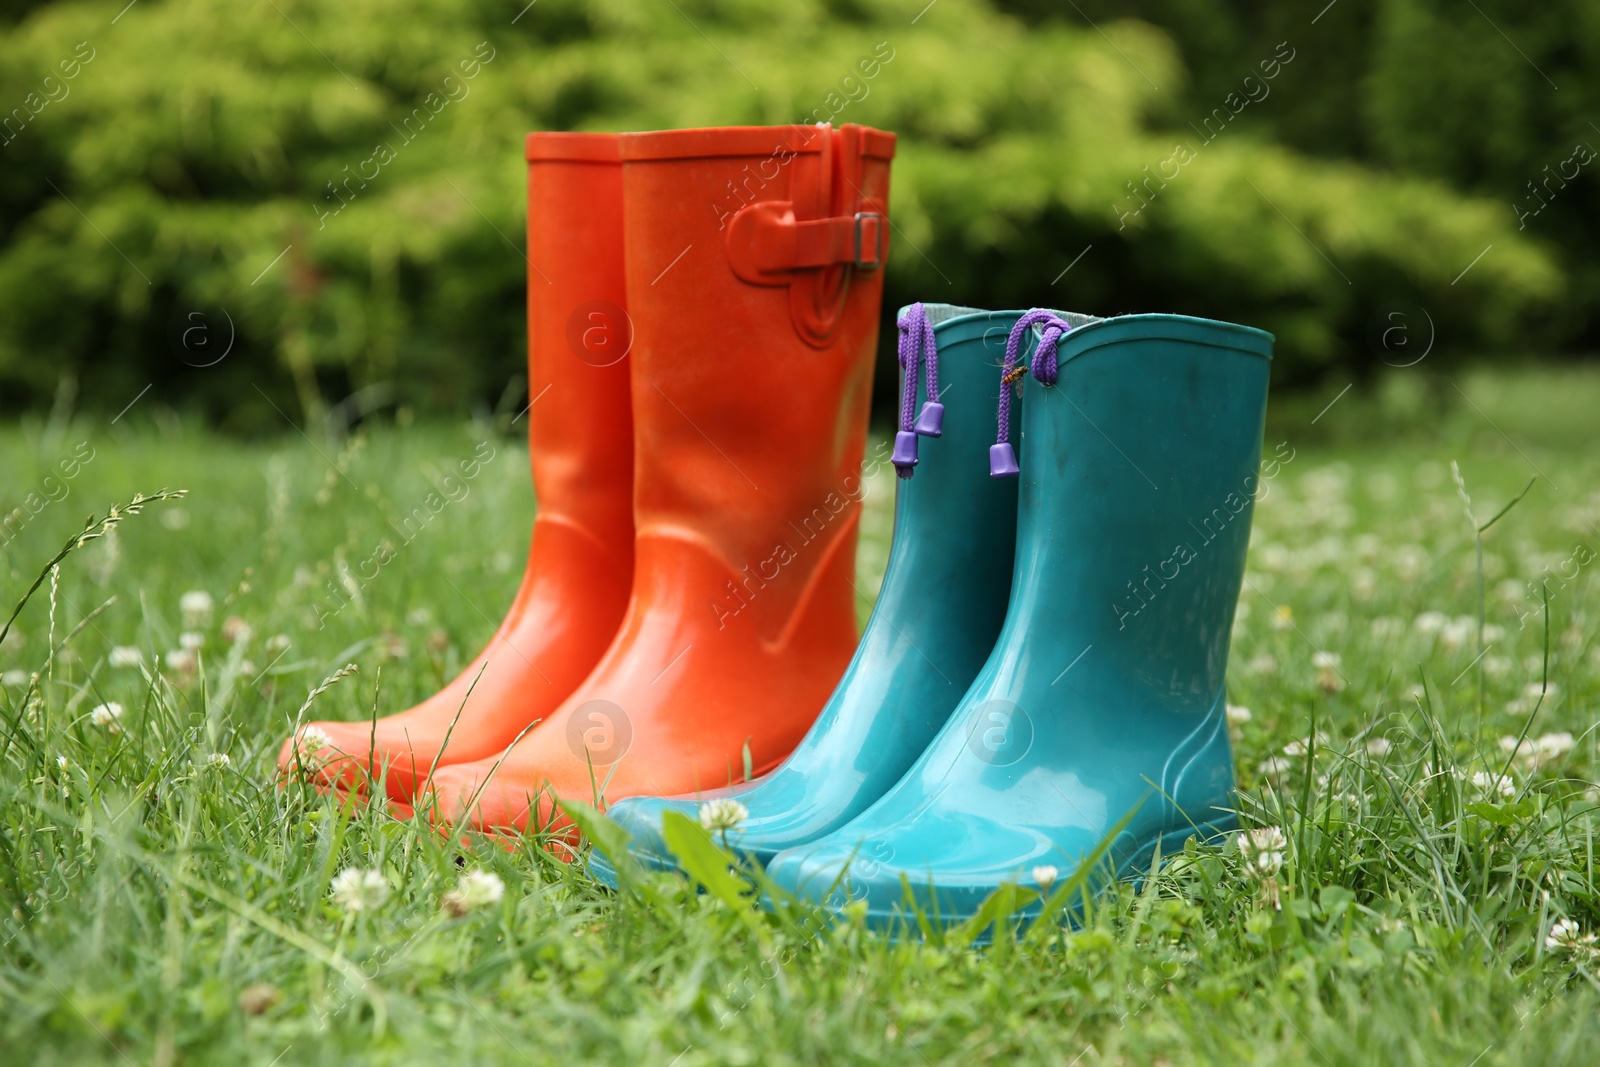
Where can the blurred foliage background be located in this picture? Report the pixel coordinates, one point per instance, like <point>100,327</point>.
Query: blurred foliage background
<point>178,165</point>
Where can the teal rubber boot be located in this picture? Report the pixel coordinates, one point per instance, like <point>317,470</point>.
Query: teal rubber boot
<point>937,615</point>
<point>1101,705</point>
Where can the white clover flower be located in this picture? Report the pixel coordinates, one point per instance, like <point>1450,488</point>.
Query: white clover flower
<point>1379,746</point>
<point>1567,936</point>
<point>724,813</point>
<point>1496,784</point>
<point>125,656</point>
<point>1264,663</point>
<point>278,643</point>
<point>1045,876</point>
<point>1553,746</point>
<point>236,629</point>
<point>219,759</point>
<point>1263,849</point>
<point>1457,632</point>
<point>1385,626</point>
<point>1295,748</point>
<point>1237,714</point>
<point>197,606</point>
<point>1509,589</point>
<point>358,890</point>
<point>1534,752</point>
<point>1363,583</point>
<point>190,641</point>
<point>392,646</point>
<point>1273,768</point>
<point>14,678</point>
<point>1431,622</point>
<point>106,715</point>
<point>309,744</point>
<point>1562,933</point>
<point>183,660</point>
<point>1328,677</point>
<point>476,889</point>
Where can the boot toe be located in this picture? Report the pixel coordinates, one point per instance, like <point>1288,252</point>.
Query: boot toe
<point>468,795</point>
<point>352,756</point>
<point>834,873</point>
<point>642,818</point>
<point>945,869</point>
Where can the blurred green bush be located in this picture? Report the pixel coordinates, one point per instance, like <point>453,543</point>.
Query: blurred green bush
<point>1499,99</point>
<point>337,190</point>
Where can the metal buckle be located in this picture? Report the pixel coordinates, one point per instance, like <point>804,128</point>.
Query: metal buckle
<point>881,251</point>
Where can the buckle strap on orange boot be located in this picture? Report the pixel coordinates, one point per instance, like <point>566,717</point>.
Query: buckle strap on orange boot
<point>815,241</point>
<point>766,243</point>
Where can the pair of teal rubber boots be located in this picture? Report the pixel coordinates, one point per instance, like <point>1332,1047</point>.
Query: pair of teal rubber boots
<point>1041,682</point>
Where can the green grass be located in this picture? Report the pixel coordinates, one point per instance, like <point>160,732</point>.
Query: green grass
<point>160,907</point>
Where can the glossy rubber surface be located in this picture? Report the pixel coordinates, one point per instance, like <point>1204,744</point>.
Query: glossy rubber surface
<point>580,442</point>
<point>937,615</point>
<point>748,448</point>
<point>1104,693</point>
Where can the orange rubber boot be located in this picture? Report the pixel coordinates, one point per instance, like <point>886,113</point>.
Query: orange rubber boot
<point>580,442</point>
<point>754,284</point>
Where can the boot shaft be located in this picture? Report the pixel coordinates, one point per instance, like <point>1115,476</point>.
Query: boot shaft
<point>580,434</point>
<point>753,273</point>
<point>955,529</point>
<point>1138,481</point>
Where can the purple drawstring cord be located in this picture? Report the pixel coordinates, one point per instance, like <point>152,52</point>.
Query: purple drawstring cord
<point>1002,457</point>
<point>930,420</point>
<point>917,344</point>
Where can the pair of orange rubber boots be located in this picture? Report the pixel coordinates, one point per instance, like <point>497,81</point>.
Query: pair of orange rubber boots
<point>703,315</point>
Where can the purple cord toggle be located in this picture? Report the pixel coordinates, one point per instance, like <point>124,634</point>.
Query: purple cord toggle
<point>1045,369</point>
<point>905,452</point>
<point>917,345</point>
<point>1003,461</point>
